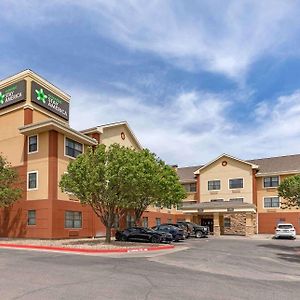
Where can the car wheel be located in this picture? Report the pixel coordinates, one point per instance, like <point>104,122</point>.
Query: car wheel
<point>155,239</point>
<point>123,238</point>
<point>199,234</point>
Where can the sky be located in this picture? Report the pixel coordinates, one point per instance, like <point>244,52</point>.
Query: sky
<point>194,79</point>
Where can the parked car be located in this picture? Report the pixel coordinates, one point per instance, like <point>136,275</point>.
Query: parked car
<point>195,230</point>
<point>186,232</point>
<point>285,230</point>
<point>176,232</point>
<point>141,234</point>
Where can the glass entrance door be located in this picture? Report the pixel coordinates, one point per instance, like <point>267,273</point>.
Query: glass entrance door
<point>209,223</point>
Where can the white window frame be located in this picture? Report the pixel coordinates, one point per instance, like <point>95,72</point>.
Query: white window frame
<point>239,188</point>
<point>37,144</point>
<point>214,189</point>
<point>37,181</point>
<point>65,138</point>
<point>279,200</point>
<point>270,187</point>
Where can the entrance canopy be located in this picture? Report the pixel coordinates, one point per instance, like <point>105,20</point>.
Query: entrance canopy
<point>218,207</point>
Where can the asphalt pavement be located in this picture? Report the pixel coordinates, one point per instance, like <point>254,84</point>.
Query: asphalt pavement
<point>212,268</point>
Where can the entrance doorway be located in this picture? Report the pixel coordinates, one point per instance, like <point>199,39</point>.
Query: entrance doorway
<point>209,223</point>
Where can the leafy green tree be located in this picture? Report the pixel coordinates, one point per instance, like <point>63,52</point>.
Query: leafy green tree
<point>9,192</point>
<point>117,179</point>
<point>289,189</point>
<point>157,184</point>
<point>101,178</point>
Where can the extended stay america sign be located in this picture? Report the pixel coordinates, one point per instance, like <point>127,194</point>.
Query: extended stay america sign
<point>13,94</point>
<point>49,101</point>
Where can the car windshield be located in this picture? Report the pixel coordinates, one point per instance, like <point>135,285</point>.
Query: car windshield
<point>285,226</point>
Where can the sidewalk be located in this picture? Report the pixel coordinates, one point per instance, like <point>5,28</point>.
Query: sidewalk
<point>84,246</point>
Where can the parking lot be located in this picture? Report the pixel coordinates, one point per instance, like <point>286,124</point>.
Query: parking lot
<point>212,268</point>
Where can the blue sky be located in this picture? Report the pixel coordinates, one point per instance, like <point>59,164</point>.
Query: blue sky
<point>194,79</point>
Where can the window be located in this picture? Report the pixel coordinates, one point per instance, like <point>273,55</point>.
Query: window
<point>116,222</point>
<point>272,181</point>
<point>32,144</point>
<point>227,223</point>
<point>271,202</point>
<point>129,221</point>
<point>216,200</point>
<point>73,148</point>
<point>179,206</point>
<point>31,220</point>
<point>145,222</point>
<point>158,222</point>
<point>73,219</point>
<point>236,183</point>
<point>214,185</point>
<point>190,187</point>
<point>236,200</point>
<point>169,221</point>
<point>32,180</point>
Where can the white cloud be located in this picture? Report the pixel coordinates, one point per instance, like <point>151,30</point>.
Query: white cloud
<point>195,127</point>
<point>224,37</point>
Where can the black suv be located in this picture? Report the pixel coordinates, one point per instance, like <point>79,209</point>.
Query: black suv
<point>176,231</point>
<point>195,229</point>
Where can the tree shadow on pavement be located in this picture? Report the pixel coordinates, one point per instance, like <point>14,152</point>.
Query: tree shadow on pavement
<point>288,253</point>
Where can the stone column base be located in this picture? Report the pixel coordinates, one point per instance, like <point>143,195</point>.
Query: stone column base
<point>217,231</point>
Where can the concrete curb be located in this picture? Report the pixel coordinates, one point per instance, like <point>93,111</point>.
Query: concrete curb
<point>85,250</point>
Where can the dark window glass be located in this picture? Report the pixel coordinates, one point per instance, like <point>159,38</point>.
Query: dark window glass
<point>32,180</point>
<point>272,181</point>
<point>216,200</point>
<point>73,148</point>
<point>145,222</point>
<point>214,185</point>
<point>73,219</point>
<point>129,221</point>
<point>158,222</point>
<point>227,223</point>
<point>31,217</point>
<point>271,202</point>
<point>32,143</point>
<point>190,187</point>
<point>236,200</point>
<point>116,222</point>
<point>236,183</point>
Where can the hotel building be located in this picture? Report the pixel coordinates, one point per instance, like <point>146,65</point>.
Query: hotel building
<point>36,138</point>
<point>233,196</point>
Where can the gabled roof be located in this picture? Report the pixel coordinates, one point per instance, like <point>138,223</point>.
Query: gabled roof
<point>254,166</point>
<point>186,174</point>
<point>100,129</point>
<point>53,124</point>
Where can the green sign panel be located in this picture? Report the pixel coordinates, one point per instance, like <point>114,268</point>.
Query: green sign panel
<point>49,101</point>
<point>13,94</point>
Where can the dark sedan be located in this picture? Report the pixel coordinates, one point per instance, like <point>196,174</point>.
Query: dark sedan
<point>141,234</point>
<point>177,233</point>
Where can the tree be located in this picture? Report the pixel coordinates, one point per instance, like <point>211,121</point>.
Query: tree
<point>114,180</point>
<point>289,189</point>
<point>157,184</point>
<point>9,193</point>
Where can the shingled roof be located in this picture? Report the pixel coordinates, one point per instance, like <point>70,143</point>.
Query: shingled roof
<point>281,164</point>
<point>289,164</point>
<point>186,174</point>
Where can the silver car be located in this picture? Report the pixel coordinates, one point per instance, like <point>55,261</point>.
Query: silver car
<point>285,230</point>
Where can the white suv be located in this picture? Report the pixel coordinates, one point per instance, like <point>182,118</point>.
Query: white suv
<point>285,230</point>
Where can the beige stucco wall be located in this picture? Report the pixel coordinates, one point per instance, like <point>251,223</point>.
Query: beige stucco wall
<point>39,162</point>
<point>11,141</point>
<point>112,135</point>
<point>270,192</point>
<point>233,169</point>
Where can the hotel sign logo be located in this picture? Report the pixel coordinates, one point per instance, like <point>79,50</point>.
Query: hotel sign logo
<point>49,101</point>
<point>13,94</point>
